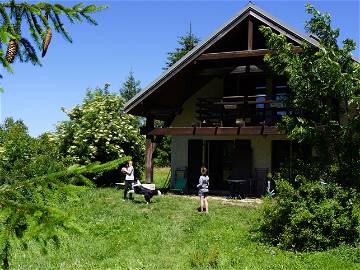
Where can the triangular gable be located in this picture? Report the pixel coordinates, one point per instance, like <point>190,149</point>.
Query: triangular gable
<point>249,10</point>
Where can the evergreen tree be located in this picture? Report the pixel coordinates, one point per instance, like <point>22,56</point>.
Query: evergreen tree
<point>162,153</point>
<point>130,87</point>
<point>29,208</point>
<point>40,18</point>
<point>187,43</point>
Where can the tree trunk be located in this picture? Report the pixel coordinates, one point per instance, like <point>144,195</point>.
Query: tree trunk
<point>149,164</point>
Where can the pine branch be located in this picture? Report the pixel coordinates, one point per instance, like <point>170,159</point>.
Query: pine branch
<point>34,29</point>
<point>14,15</point>
<point>29,52</point>
<point>59,26</point>
<point>30,209</point>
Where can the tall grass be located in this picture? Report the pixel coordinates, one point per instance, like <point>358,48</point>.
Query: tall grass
<point>161,176</point>
<point>168,234</point>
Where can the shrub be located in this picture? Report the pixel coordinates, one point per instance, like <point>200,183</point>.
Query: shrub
<point>98,130</point>
<point>23,157</point>
<point>310,215</point>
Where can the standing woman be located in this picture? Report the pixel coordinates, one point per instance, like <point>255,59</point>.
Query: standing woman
<point>129,178</point>
<point>203,189</point>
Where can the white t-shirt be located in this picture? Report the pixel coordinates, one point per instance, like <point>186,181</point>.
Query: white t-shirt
<point>130,173</point>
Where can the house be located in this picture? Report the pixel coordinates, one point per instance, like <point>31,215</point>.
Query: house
<point>220,104</point>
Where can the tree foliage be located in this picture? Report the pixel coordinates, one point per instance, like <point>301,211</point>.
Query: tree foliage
<point>98,130</point>
<point>324,100</point>
<point>130,87</point>
<point>186,44</point>
<point>31,208</point>
<point>317,206</point>
<point>308,216</point>
<point>39,19</point>
<point>24,157</point>
<point>34,182</point>
<point>162,153</point>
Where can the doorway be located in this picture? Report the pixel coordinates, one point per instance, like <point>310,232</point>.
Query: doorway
<point>224,159</point>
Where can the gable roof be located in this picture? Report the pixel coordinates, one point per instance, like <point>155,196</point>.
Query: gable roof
<point>249,10</point>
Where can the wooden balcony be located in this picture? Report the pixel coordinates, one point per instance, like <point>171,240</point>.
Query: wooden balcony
<point>241,111</point>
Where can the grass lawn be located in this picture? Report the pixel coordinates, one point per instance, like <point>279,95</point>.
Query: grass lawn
<point>168,234</point>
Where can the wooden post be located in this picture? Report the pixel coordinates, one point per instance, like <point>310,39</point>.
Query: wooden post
<point>149,165</point>
<point>150,148</point>
<point>250,34</point>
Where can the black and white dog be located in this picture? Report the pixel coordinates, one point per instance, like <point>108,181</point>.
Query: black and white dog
<point>148,193</point>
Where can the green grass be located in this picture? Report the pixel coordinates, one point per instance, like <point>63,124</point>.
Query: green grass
<point>161,176</point>
<point>169,233</point>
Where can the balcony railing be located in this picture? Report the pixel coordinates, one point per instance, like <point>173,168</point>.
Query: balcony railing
<point>241,110</point>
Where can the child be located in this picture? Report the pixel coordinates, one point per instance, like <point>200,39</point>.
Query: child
<point>129,178</point>
<point>203,189</point>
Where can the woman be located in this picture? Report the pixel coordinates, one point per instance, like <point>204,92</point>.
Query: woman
<point>129,178</point>
<point>203,189</point>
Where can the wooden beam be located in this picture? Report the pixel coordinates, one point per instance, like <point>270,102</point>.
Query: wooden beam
<point>255,130</point>
<point>149,165</point>
<point>150,148</point>
<point>250,34</point>
<point>227,131</point>
<point>272,131</point>
<point>174,131</point>
<point>205,131</point>
<point>240,54</point>
<point>234,54</point>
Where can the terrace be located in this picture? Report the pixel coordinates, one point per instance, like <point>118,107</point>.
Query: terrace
<point>241,111</point>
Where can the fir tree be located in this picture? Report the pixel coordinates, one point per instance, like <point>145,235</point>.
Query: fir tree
<point>29,207</point>
<point>162,154</point>
<point>130,87</point>
<point>40,18</point>
<point>187,43</point>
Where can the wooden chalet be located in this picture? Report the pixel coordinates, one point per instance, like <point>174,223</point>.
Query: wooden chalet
<point>220,104</point>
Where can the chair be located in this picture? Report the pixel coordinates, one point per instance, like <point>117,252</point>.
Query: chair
<point>260,180</point>
<point>180,180</point>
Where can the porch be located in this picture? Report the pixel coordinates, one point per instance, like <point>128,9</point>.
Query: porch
<point>235,166</point>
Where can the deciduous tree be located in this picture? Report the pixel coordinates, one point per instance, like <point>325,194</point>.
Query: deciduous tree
<point>324,101</point>
<point>317,206</point>
<point>98,130</point>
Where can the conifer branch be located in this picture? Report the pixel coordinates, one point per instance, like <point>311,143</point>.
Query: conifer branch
<point>14,16</point>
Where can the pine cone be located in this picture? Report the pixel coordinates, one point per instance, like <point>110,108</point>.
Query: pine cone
<point>46,41</point>
<point>12,50</point>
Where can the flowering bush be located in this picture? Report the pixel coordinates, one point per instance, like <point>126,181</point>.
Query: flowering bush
<point>98,130</point>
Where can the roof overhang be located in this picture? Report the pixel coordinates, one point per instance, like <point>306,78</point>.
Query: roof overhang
<point>134,105</point>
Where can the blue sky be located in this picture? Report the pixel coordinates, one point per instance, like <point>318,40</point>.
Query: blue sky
<point>133,35</point>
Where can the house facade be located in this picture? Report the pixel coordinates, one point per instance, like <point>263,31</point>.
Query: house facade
<point>220,104</point>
